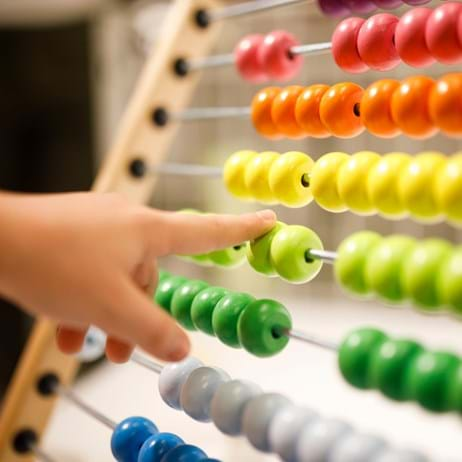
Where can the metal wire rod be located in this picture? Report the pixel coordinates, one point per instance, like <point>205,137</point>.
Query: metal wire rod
<point>207,113</point>
<point>311,339</point>
<point>327,256</point>
<point>186,170</point>
<point>146,362</point>
<point>312,49</point>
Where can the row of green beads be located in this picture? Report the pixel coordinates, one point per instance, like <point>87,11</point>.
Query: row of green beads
<point>236,318</point>
<point>402,370</point>
<point>398,268</point>
<point>230,257</point>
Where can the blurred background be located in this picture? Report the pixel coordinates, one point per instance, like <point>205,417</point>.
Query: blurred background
<point>67,71</point>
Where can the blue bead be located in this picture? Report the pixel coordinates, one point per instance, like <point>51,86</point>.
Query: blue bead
<point>128,437</point>
<point>185,453</point>
<point>157,446</point>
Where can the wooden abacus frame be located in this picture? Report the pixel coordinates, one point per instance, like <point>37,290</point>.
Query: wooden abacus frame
<point>138,138</point>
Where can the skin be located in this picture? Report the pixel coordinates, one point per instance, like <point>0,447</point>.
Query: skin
<point>85,259</point>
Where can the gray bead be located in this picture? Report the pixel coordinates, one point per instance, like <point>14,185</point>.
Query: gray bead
<point>400,455</point>
<point>257,417</point>
<point>286,427</point>
<point>318,438</point>
<point>228,405</point>
<point>93,346</point>
<point>357,447</point>
<point>198,391</point>
<point>172,378</point>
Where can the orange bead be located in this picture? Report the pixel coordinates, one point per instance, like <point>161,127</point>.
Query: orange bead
<point>445,104</point>
<point>376,108</point>
<point>307,111</point>
<point>283,112</point>
<point>261,113</point>
<point>409,107</point>
<point>339,110</point>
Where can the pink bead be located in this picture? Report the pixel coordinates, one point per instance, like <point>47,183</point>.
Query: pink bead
<point>410,38</point>
<point>441,33</point>
<point>274,55</point>
<point>375,42</point>
<point>459,28</point>
<point>344,49</point>
<point>247,61</point>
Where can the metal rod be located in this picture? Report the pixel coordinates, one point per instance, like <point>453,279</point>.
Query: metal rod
<point>207,113</point>
<point>242,9</point>
<point>312,49</point>
<point>311,339</point>
<point>186,170</point>
<point>327,256</point>
<point>40,454</point>
<point>146,362</point>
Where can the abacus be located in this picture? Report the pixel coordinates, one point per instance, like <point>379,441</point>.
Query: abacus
<point>395,269</point>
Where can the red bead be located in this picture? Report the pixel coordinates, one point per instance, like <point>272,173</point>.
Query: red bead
<point>441,33</point>
<point>410,38</point>
<point>375,42</point>
<point>247,60</point>
<point>344,46</point>
<point>275,57</point>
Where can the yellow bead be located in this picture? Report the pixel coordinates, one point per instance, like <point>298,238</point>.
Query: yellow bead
<point>415,186</point>
<point>447,188</point>
<point>234,172</point>
<point>257,177</point>
<point>382,184</point>
<point>323,181</point>
<point>352,182</point>
<point>288,179</point>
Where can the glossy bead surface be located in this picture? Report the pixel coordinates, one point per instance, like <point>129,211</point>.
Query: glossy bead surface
<point>375,108</point>
<point>441,33</point>
<point>128,437</point>
<point>287,179</point>
<point>234,173</point>
<point>172,377</point>
<point>307,111</point>
<point>275,57</point>
<point>338,110</point>
<point>166,289</point>
<point>448,188</point>
<point>185,453</point>
<point>357,447</point>
<point>449,281</point>
<point>93,346</point>
<point>247,59</point>
<point>226,315</point>
<point>289,256</point>
<point>257,417</point>
<point>261,113</point>
<point>228,404</point>
<point>256,176</point>
<point>410,38</point>
<point>182,301</point>
<point>230,257</point>
<point>283,112</point>
<point>375,42</point>
<point>203,306</point>
<point>198,390</point>
<point>261,325</point>
<point>409,107</point>
<point>344,46</point>
<point>157,446</point>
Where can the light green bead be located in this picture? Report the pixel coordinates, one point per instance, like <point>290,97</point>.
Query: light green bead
<point>449,281</point>
<point>230,257</point>
<point>203,306</point>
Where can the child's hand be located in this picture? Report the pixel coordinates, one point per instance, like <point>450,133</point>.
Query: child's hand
<point>90,258</point>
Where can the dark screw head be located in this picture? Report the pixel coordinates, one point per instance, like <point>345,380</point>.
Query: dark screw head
<point>24,440</point>
<point>202,19</point>
<point>160,117</point>
<point>47,383</point>
<point>180,67</point>
<point>137,168</point>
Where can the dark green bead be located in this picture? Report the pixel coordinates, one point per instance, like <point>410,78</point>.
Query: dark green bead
<point>166,289</point>
<point>389,367</point>
<point>203,306</point>
<point>355,354</point>
<point>226,316</point>
<point>182,301</point>
<point>455,389</point>
<point>260,325</point>
<point>430,380</point>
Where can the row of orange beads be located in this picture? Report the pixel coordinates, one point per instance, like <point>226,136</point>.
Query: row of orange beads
<point>417,106</point>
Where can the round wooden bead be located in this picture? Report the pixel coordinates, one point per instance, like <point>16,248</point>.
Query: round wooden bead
<point>198,390</point>
<point>93,346</point>
<point>228,404</point>
<point>182,301</point>
<point>375,42</point>
<point>257,417</point>
<point>356,447</point>
<point>360,6</point>
<point>261,113</point>
<point>285,429</point>
<point>275,56</point>
<point>128,437</point>
<point>247,59</point>
<point>234,173</point>
<point>344,46</point>
<point>289,254</point>
<point>157,446</point>
<point>166,289</point>
<point>339,110</point>
<point>410,108</point>
<point>283,112</point>
<point>447,188</point>
<point>445,103</point>
<point>441,33</point>
<point>449,282</point>
<point>334,8</point>
<point>172,378</point>
<point>226,315</point>
<point>260,328</point>
<point>400,455</point>
<point>410,38</point>
<point>375,108</point>
<point>185,453</point>
<point>203,306</point>
<point>230,257</point>
<point>256,177</point>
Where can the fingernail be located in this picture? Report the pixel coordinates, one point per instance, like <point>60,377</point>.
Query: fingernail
<point>180,349</point>
<point>267,215</point>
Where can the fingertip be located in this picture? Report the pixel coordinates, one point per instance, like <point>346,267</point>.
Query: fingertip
<point>70,340</point>
<point>180,349</point>
<point>118,351</point>
<point>268,216</point>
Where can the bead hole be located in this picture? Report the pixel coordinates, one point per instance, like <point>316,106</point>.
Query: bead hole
<point>238,247</point>
<point>308,257</point>
<point>276,332</point>
<point>305,180</point>
<point>357,109</point>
